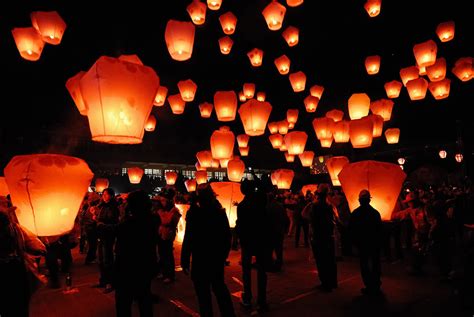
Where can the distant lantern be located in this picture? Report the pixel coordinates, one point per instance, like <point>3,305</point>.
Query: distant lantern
<point>334,166</point>
<point>242,97</point>
<point>295,142</point>
<point>282,63</point>
<point>214,4</point>
<point>206,109</point>
<point>311,103</point>
<point>201,177</point>
<point>160,96</point>
<point>171,178</point>
<point>190,185</point>
<point>372,64</point>
<point>341,132</point>
<point>445,31</point>
<point>316,91</point>
<point>274,13</point>
<point>197,12</point>
<point>199,167</point>
<point>309,187</point>
<point>3,187</point>
<point>119,106</point>
<point>74,88</point>
<point>101,184</point>
<point>204,158</point>
<point>323,127</point>
<point>187,89</point>
<point>256,57</point>
<point>437,71</point>
<point>47,190</point>
<point>291,36</point>
<point>409,73</point>
<point>463,68</point>
<point>422,71</point>
<point>292,115</point>
<point>243,140</point>
<point>336,115</point>
<point>283,178</point>
<point>235,169</point>
<point>359,106</point>
<point>326,143</point>
<point>179,38</point>
<point>254,115</point>
<point>261,96</point>
<point>225,104</point>
<point>383,180</point>
<point>223,162</point>
<point>229,195</point>
<point>49,25</point>
<point>177,103</point>
<point>458,157</point>
<point>373,7</point>
<point>393,88</point>
<point>283,127</point>
<point>215,163</point>
<point>225,44</point>
<point>442,154</point>
<point>378,125</point>
<point>273,127</point>
<point>383,108</point>
<point>244,151</point>
<point>289,158</point>
<point>150,123</point>
<point>291,125</point>
<point>417,88</point>
<point>298,81</point>
<point>306,158</point>
<point>440,89</point>
<point>425,53</point>
<point>28,42</point>
<point>401,161</point>
<point>249,90</point>
<point>135,174</point>
<point>283,147</point>
<point>276,140</point>
<point>392,135</point>
<point>294,3</point>
<point>361,132</point>
<point>228,22</point>
<point>222,143</point>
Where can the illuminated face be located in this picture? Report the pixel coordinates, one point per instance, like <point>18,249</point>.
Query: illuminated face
<point>106,197</point>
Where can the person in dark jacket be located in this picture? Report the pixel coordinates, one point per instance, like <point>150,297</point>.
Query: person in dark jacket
<point>366,230</point>
<point>277,214</point>
<point>207,240</point>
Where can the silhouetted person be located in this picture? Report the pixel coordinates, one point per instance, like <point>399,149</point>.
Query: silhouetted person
<point>207,240</point>
<point>276,214</point>
<point>366,231</point>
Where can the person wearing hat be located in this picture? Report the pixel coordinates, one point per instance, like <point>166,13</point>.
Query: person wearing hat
<point>365,226</point>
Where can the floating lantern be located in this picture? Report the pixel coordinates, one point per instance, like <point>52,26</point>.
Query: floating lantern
<point>274,13</point>
<point>160,96</point>
<point>179,38</point>
<point>135,175</point>
<point>242,97</point>
<point>215,163</point>
<point>291,36</point>
<point>335,114</point>
<point>225,104</point>
<point>214,4</point>
<point>248,90</point>
<point>261,96</point>
<point>311,103</point>
<point>243,140</point>
<point>359,106</point>
<point>298,81</point>
<point>326,143</point>
<point>323,127</point>
<point>204,158</point>
<point>291,125</point>
<point>101,184</point>
<point>289,158</point>
<point>295,142</point>
<point>283,147</point>
<point>177,103</point>
<point>49,25</point>
<point>74,88</point>
<point>283,127</point>
<point>273,127</point>
<point>373,7</point>
<point>244,151</point>
<point>425,53</point>
<point>422,71</point>
<point>187,89</point>
<point>383,108</point>
<point>28,42</point>
<point>235,169</point>
<point>205,109</point>
<point>306,158</point>
<point>222,143</point>
<point>276,140</point>
<point>463,68</point>
<point>341,132</point>
<point>458,157</point>
<point>150,123</point>
<point>201,177</point>
<point>283,178</point>
<point>197,12</point>
<point>372,64</point>
<point>171,178</point>
<point>361,132</point>
<point>225,44</point>
<point>440,89</point>
<point>292,115</point>
<point>294,3</point>
<point>228,23</point>
<point>256,57</point>
<point>224,162</point>
<point>445,31</point>
<point>442,154</point>
<point>409,73</point>
<point>282,63</point>
<point>335,165</point>
<point>392,135</point>
<point>3,187</point>
<point>254,115</point>
<point>199,167</point>
<point>310,187</point>
<point>393,88</point>
<point>316,91</point>
<point>437,71</point>
<point>417,88</point>
<point>190,185</point>
<point>229,195</point>
<point>378,125</point>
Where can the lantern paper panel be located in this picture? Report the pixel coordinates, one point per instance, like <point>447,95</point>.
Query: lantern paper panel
<point>378,125</point>
<point>283,127</point>
<point>222,143</point>
<point>417,88</point>
<point>242,97</point>
<point>28,42</point>
<point>225,104</point>
<point>256,57</point>
<point>229,195</point>
<point>298,81</point>
<point>171,178</point>
<point>235,169</point>
<point>440,89</point>
<point>273,127</point>
<point>359,106</point>
<point>243,140</point>
<point>283,147</point>
<point>361,132</point>
<point>392,135</point>
<point>463,68</point>
<point>422,71</point>
<point>393,89</point>
<point>132,58</point>
<point>205,109</point>
<point>316,91</point>
<point>197,12</point>
<point>291,36</point>
<point>254,115</point>
<point>425,53</point>
<point>282,63</point>
<point>291,125</point>
<point>327,142</point>
<point>225,44</point>
<point>283,178</point>
<point>74,88</point>
<point>372,64</point>
<point>199,167</point>
<point>49,25</point>
<point>409,73</point>
<point>3,187</point>
<point>383,108</point>
<point>244,151</point>
<point>292,115</point>
<point>295,142</point>
<point>311,103</point>
<point>341,132</point>
<point>445,31</point>
<point>274,13</point>
<point>334,166</point>
<point>373,7</point>
<point>248,90</point>
<point>177,104</point>
<point>101,184</point>
<point>179,38</point>
<point>187,89</point>
<point>150,123</point>
<point>437,71</point>
<point>228,22</point>
<point>160,96</point>
<point>323,127</point>
<point>135,175</point>
<point>190,185</point>
<point>261,96</point>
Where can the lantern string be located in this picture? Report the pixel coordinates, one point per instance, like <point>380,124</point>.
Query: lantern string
<point>29,196</point>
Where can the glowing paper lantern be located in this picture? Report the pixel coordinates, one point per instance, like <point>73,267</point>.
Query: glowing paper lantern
<point>442,154</point>
<point>372,64</point>
<point>256,57</point>
<point>273,127</point>
<point>383,108</point>
<point>316,91</point>
<point>235,169</point>
<point>244,151</point>
<point>150,123</point>
<point>225,104</point>
<point>261,96</point>
<point>3,187</point>
<point>201,177</point>
<point>417,88</point>
<point>306,158</point>
<point>73,86</point>
<point>341,132</point>
<point>440,89</point>
<point>326,143</point>
<point>409,73</point>
<point>335,165</point>
<point>361,132</point>
<point>197,12</point>
<point>425,53</point>
<point>135,175</point>
<point>187,89</point>
<point>119,106</point>
<point>204,158</point>
<point>28,42</point>
<point>422,71</point>
<point>177,103</point>
<point>101,184</point>
<point>224,162</point>
<point>49,25</point>
<point>373,7</point>
<point>289,158</point>
<point>310,187</point>
<point>292,115</point>
<point>392,135</point>
<point>291,36</point>
<point>132,58</point>
<point>323,127</point>
<point>225,44</point>
<point>199,167</point>
<point>274,13</point>
<point>190,185</point>
<point>283,178</point>
<point>229,195</point>
<point>282,63</point>
<point>243,140</point>
<point>437,71</point>
<point>254,115</point>
<point>228,22</point>
<point>248,90</point>
<point>445,31</point>
<point>283,147</point>
<point>378,125</point>
<point>206,109</point>
<point>179,38</point>
<point>463,68</point>
<point>171,178</point>
<point>294,3</point>
<point>393,88</point>
<point>291,125</point>
<point>295,142</point>
<point>383,180</point>
<point>276,140</point>
<point>298,81</point>
<point>160,96</point>
<point>359,106</point>
<point>214,4</point>
<point>283,127</point>
<point>242,97</point>
<point>215,163</point>
<point>222,143</point>
<point>335,114</point>
<point>311,103</point>
<point>47,190</point>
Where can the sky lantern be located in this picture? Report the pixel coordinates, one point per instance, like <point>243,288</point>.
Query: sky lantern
<point>289,158</point>
<point>254,115</point>
<point>292,115</point>
<point>177,103</point>
<point>256,57</point>
<point>229,195</point>
<point>361,132</point>
<point>283,178</point>
<point>291,35</point>
<point>311,103</point>
<point>282,63</point>
<point>295,142</point>
<point>372,64</point>
<point>283,127</point>
<point>294,3</point>
<point>274,13</point>
<point>306,158</point>
<point>131,58</point>
<point>3,187</point>
<point>463,68</point>
<point>309,187</point>
<point>377,121</point>
<point>47,190</point>
<point>383,108</point>
<point>199,167</point>
<point>261,96</point>
<point>235,169</point>
<point>228,22</point>
<point>171,178</point>
<point>205,109</point>
<point>160,96</point>
<point>359,106</point>
<point>445,31</point>
<point>323,127</point>
<point>409,73</point>
<point>28,42</point>
<point>417,88</point>
<point>422,71</point>
<point>393,88</point>
<point>437,71</point>
<point>341,132</point>
<point>224,162</point>
<point>383,180</point>
<point>373,7</point>
<point>214,4</point>
<point>135,175</point>
<point>425,53</point>
<point>336,115</point>
<point>74,88</point>
<point>150,123</point>
<point>244,151</point>
<point>335,165</point>
<point>242,97</point>
<point>179,38</point>
<point>248,90</point>
<point>204,158</point>
<point>225,104</point>
<point>283,147</point>
<point>291,125</point>
<point>222,143</point>
<point>215,163</point>
<point>49,25</point>
<point>316,91</point>
<point>187,89</point>
<point>298,81</point>
<point>243,140</point>
<point>225,44</point>
<point>197,12</point>
<point>273,127</point>
<point>440,89</point>
<point>442,154</point>
<point>201,177</point>
<point>190,185</point>
<point>392,135</point>
<point>101,184</point>
<point>276,140</point>
<point>119,96</point>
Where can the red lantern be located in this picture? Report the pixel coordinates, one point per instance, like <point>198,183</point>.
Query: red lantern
<point>273,127</point>
<point>326,143</point>
<point>215,163</point>
<point>440,89</point>
<point>206,109</point>
<point>261,96</point>
<point>28,42</point>
<point>373,7</point>
<point>323,127</point>
<point>295,142</point>
<point>73,86</point>
<point>437,71</point>
<point>160,96</point>
<point>225,104</point>
<point>311,103</point>
<point>316,91</point>
<point>225,44</point>
<point>204,158</point>
<point>225,162</point>
<point>361,132</point>
<point>335,165</point>
<point>417,88</point>
<point>254,115</point>
<point>422,71</point>
<point>310,187</point>
<point>341,132</point>
<point>276,140</point>
<point>201,177</point>
<point>289,158</point>
<point>49,25</point>
<point>235,169</point>
<point>177,103</point>
<point>292,115</point>
<point>335,114</point>
<point>179,38</point>
<point>393,88</point>
<point>132,58</point>
<point>291,36</point>
<point>372,64</point>
<point>228,23</point>
<point>3,187</point>
<point>248,90</point>
<point>135,175</point>
<point>242,97</point>
<point>244,151</point>
<point>197,12</point>
<point>274,13</point>
<point>199,167</point>
<point>190,185</point>
<point>101,184</point>
<point>392,135</point>
<point>378,125</point>
<point>445,31</point>
<point>214,4</point>
<point>187,89</point>
<point>229,195</point>
<point>306,158</point>
<point>256,57</point>
<point>243,140</point>
<point>222,143</point>
<point>282,63</point>
<point>359,106</point>
<point>171,178</point>
<point>409,73</point>
<point>383,108</point>
<point>283,178</point>
<point>298,81</point>
<point>294,3</point>
<point>283,127</point>
<point>463,68</point>
<point>425,53</point>
<point>150,124</point>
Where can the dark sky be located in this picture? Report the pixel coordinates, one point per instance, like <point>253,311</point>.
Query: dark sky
<point>335,38</point>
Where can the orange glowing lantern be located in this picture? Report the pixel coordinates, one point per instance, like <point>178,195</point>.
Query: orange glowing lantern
<point>463,68</point>
<point>171,178</point>
<point>341,132</point>
<point>409,73</point>
<point>254,115</point>
<point>135,175</point>
<point>177,103</point>
<point>3,187</point>
<point>276,140</point>
<point>417,88</point>
<point>49,25</point>
<point>295,142</point>
<point>150,123</point>
<point>273,127</point>
<point>445,31</point>
<point>291,125</point>
<point>190,185</point>
<point>222,143</point>
<point>442,154</point>
<point>323,127</point>
<point>359,106</point>
<point>133,58</point>
<point>244,151</point>
<point>204,158</point>
<point>73,86</point>
<point>101,184</point>
<point>335,165</point>
<point>248,90</point>
<point>201,177</point>
<point>440,89</point>
<point>117,108</point>
<point>361,132</point>
<point>228,22</point>
<point>261,96</point>
<point>243,140</point>
<point>291,36</point>
<point>392,135</point>
<point>373,7</point>
<point>215,163</point>
<point>294,3</point>
<point>283,178</point>
<point>336,115</point>
<point>437,71</point>
<point>179,38</point>
<point>28,42</point>
<point>383,180</point>
<point>199,167</point>
<point>298,81</point>
<point>197,12</point>
<point>282,63</point>
<point>160,96</point>
<point>372,64</point>
<point>283,127</point>
<point>316,91</point>
<point>422,71</point>
<point>224,162</point>
<point>214,4</point>
<point>274,13</point>
<point>242,97</point>
<point>326,143</point>
<point>425,53</point>
<point>283,147</point>
<point>292,115</point>
<point>47,190</point>
<point>256,57</point>
<point>225,44</point>
<point>229,195</point>
<point>187,89</point>
<point>378,125</point>
<point>383,108</point>
<point>312,188</point>
<point>206,109</point>
<point>393,88</point>
<point>225,103</point>
<point>306,158</point>
<point>289,158</point>
<point>311,103</point>
<point>235,169</point>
